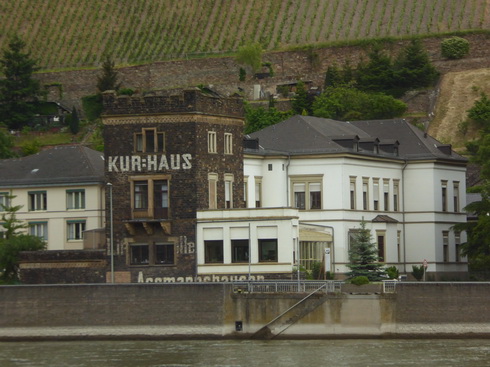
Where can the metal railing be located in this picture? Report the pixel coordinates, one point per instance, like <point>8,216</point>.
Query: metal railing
<point>287,286</point>
<point>389,286</point>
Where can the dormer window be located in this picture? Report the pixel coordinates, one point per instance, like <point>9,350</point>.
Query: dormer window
<point>149,141</point>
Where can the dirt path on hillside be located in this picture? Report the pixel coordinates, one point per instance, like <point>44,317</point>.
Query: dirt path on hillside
<point>458,93</point>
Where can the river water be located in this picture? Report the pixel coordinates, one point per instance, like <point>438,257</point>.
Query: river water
<point>246,353</point>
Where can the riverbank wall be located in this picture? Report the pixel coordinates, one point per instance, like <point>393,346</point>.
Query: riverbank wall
<point>215,310</point>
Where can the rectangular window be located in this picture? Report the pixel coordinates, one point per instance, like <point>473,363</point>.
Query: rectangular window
<point>140,254</point>
<point>151,254</point>
<point>381,246</point>
<point>376,193</point>
<point>141,194</point>
<point>386,195</point>
<point>75,229</point>
<point>268,250</point>
<point>365,194</point>
<point>245,192</point>
<point>150,197</point>
<point>4,201</point>
<point>37,200</point>
<point>457,244</point>
<point>149,141</point>
<point>307,193</point>
<point>444,195</point>
<point>258,192</point>
<point>213,251</point>
<point>160,199</point>
<point>445,246</point>
<point>39,229</point>
<point>456,196</point>
<point>212,142</point>
<point>352,193</point>
<point>239,251</point>
<point>212,188</point>
<point>228,191</point>
<point>315,195</point>
<point>164,253</point>
<point>270,166</point>
<point>228,143</point>
<point>398,245</point>
<point>396,196</point>
<point>299,195</point>
<point>75,199</point>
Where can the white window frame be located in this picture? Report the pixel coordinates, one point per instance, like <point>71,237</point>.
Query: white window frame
<point>39,229</point>
<point>229,179</point>
<point>75,229</point>
<point>38,200</point>
<point>308,182</point>
<point>75,199</point>
<point>212,142</point>
<point>4,200</point>
<point>228,143</point>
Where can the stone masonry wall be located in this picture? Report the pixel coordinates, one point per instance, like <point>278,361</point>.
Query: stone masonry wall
<point>200,310</point>
<point>223,72</point>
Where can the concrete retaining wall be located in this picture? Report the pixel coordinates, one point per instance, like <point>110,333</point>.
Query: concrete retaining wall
<point>213,310</point>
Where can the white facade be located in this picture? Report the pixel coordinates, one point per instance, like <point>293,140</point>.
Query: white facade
<point>413,226</point>
<point>248,242</point>
<point>69,211</point>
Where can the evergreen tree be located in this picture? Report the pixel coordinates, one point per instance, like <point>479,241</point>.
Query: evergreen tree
<point>14,242</point>
<point>413,68</point>
<point>300,102</point>
<point>363,256</point>
<point>377,75</point>
<point>333,77</point>
<point>18,90</point>
<point>108,79</point>
<point>74,121</point>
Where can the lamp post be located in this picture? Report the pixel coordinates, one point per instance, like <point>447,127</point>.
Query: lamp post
<point>111,232</point>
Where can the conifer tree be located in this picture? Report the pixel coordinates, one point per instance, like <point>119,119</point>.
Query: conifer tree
<point>363,256</point>
<point>18,90</point>
<point>14,242</point>
<point>413,68</point>
<point>377,74</point>
<point>74,121</point>
<point>109,78</point>
<point>300,102</point>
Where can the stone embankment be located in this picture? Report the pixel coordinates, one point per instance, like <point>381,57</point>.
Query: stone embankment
<point>159,311</point>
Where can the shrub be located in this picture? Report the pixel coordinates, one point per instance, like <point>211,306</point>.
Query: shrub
<point>92,106</point>
<point>418,272</point>
<point>360,280</point>
<point>242,75</point>
<point>455,48</point>
<point>392,272</point>
<point>125,92</point>
<point>316,270</point>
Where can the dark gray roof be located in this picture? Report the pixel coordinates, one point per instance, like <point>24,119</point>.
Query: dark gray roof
<point>313,135</point>
<point>414,143</point>
<point>72,164</point>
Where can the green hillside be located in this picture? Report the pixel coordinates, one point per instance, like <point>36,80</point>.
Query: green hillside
<point>76,33</point>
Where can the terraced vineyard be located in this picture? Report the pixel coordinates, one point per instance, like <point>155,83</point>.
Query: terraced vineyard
<point>76,33</point>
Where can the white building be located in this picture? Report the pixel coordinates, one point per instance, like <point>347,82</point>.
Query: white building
<point>61,194</point>
<point>408,188</point>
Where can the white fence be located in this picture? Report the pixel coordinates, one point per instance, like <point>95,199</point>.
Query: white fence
<point>280,286</point>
